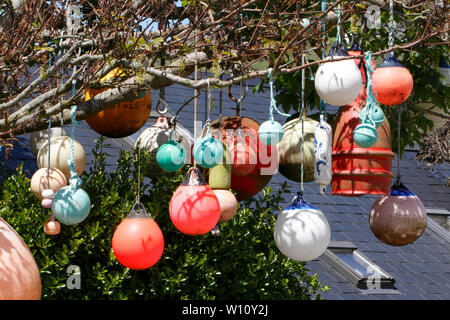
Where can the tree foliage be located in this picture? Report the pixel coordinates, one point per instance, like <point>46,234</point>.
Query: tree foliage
<point>163,42</point>
<point>241,263</point>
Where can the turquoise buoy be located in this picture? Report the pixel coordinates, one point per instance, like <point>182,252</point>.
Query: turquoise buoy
<point>71,207</point>
<point>365,135</point>
<point>207,151</point>
<point>375,113</point>
<point>270,132</point>
<point>171,156</point>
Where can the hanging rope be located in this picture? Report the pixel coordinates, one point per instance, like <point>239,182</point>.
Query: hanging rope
<point>75,181</point>
<point>371,102</point>
<point>399,124</point>
<point>391,24</point>
<point>273,103</point>
<point>302,112</point>
<point>323,105</point>
<point>338,32</point>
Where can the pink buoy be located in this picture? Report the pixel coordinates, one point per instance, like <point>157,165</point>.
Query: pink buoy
<point>228,204</point>
<point>47,203</point>
<point>19,273</point>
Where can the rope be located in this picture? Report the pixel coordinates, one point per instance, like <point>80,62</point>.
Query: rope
<point>48,155</point>
<point>75,181</point>
<point>338,35</point>
<point>303,124</point>
<point>371,102</point>
<point>391,24</point>
<point>323,105</point>
<point>273,103</point>
<point>399,119</point>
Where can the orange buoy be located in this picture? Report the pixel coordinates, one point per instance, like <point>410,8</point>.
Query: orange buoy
<point>123,119</point>
<point>138,242</point>
<point>19,273</point>
<point>392,83</point>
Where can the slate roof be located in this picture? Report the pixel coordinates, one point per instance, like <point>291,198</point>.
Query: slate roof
<point>421,269</point>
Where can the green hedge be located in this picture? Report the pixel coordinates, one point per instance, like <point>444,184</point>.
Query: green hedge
<point>241,263</point>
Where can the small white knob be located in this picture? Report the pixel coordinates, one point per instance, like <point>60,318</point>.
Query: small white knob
<point>47,194</point>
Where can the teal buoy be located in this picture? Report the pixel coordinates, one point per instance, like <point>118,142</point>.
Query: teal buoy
<point>71,207</point>
<point>270,132</point>
<point>171,156</point>
<point>375,113</point>
<point>208,152</point>
<point>365,135</point>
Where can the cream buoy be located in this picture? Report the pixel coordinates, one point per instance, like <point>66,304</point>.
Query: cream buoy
<point>301,231</point>
<point>338,83</point>
<point>60,154</point>
<point>41,178</point>
<point>38,138</point>
<point>290,151</point>
<point>399,218</point>
<point>19,274</point>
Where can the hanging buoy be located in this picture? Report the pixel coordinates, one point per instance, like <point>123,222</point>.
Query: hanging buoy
<point>52,228</point>
<point>60,153</point>
<point>322,154</point>
<point>123,119</point>
<point>71,206</point>
<point>171,156</point>
<point>47,198</point>
<point>19,274</point>
<point>302,232</point>
<point>138,242</point>
<point>392,83</point>
<point>228,204</point>
<point>39,181</point>
<point>207,151</point>
<point>289,149</point>
<point>219,177</point>
<point>365,135</point>
<point>271,132</point>
<point>38,138</point>
<point>375,113</point>
<point>267,156</point>
<point>154,137</point>
<point>194,208</point>
<point>398,219</point>
<point>338,83</point>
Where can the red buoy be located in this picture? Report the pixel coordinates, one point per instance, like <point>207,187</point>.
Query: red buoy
<point>244,159</point>
<point>194,208</point>
<point>392,83</point>
<point>356,170</point>
<point>138,242</point>
<point>246,186</point>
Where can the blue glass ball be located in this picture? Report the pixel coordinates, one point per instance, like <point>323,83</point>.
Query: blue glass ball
<point>71,208</point>
<point>270,133</point>
<point>171,156</point>
<point>208,152</point>
<point>365,135</point>
<point>376,114</point>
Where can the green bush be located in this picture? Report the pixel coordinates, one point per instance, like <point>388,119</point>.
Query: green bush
<point>241,263</point>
